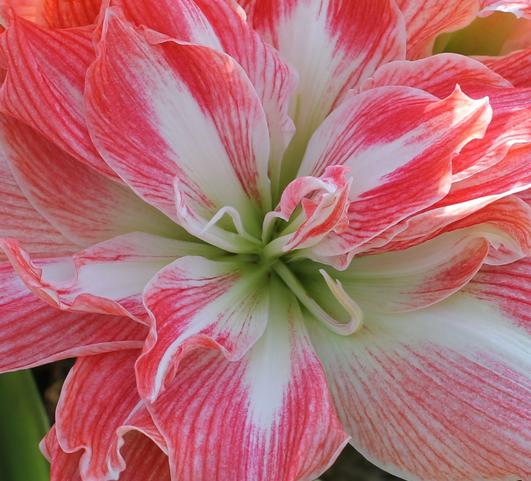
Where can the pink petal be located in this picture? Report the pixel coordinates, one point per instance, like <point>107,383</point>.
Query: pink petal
<point>333,45</point>
<point>467,197</point>
<point>33,333</point>
<point>273,78</point>
<point>195,301</point>
<point>98,400</point>
<point>107,278</point>
<point>44,85</point>
<point>507,288</point>
<point>515,66</point>
<point>324,201</point>
<point>221,25</point>
<point>56,13</point>
<point>509,220</point>
<point>438,75</point>
<point>439,394</point>
<point>427,19</point>
<point>18,218</point>
<point>268,416</point>
<point>190,116</point>
<point>180,19</point>
<point>413,278</point>
<point>511,123</point>
<point>83,205</point>
<point>520,8</point>
<point>400,159</point>
<point>144,460</point>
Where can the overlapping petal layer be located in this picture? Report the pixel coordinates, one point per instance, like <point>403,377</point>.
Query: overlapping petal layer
<point>107,278</point>
<point>33,333</point>
<point>409,144</point>
<point>106,384</point>
<point>85,206</point>
<point>44,85</point>
<point>165,126</point>
<point>56,13</point>
<point>18,218</point>
<point>144,460</point>
<point>441,393</point>
<point>268,415</point>
<point>333,45</point>
<point>198,302</point>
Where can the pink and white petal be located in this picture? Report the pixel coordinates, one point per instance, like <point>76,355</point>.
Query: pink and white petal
<point>181,20</point>
<point>19,219</point>
<point>56,13</point>
<point>220,25</point>
<point>195,301</point>
<point>144,460</point>
<point>510,127</point>
<point>83,205</point>
<point>520,8</point>
<point>333,45</point>
<point>97,398</point>
<point>506,224</point>
<point>426,20</point>
<point>273,79</point>
<point>324,201</point>
<point>507,177</point>
<point>506,288</point>
<point>515,66</point>
<point>190,115</point>
<point>32,333</point>
<point>268,416</point>
<point>107,278</point>
<point>63,466</point>
<point>400,159</point>
<point>44,86</point>
<point>414,278</point>
<point>439,74</point>
<point>439,394</point>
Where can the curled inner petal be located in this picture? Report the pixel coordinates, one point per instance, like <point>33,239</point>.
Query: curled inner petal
<point>324,201</point>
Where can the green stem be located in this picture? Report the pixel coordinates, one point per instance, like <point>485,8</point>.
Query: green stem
<point>23,423</point>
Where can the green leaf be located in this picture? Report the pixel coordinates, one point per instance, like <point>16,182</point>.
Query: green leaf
<point>23,423</point>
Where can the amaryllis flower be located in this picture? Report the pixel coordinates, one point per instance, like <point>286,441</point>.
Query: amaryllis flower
<point>265,231</point>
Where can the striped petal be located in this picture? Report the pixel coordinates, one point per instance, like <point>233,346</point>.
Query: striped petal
<point>144,460</point>
<point>96,428</point>
<point>272,77</point>
<point>333,45</point>
<point>515,66</point>
<point>426,20</point>
<point>400,159</point>
<point>506,289</point>
<point>268,416</point>
<point>84,206</point>
<point>32,333</point>
<point>439,394</point>
<point>56,13</point>
<point>510,125</point>
<point>520,8</point>
<point>44,86</point>
<point>184,118</point>
<point>221,25</point>
<point>195,301</point>
<point>413,278</point>
<point>107,278</point>
<point>482,194</point>
<point>19,219</point>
